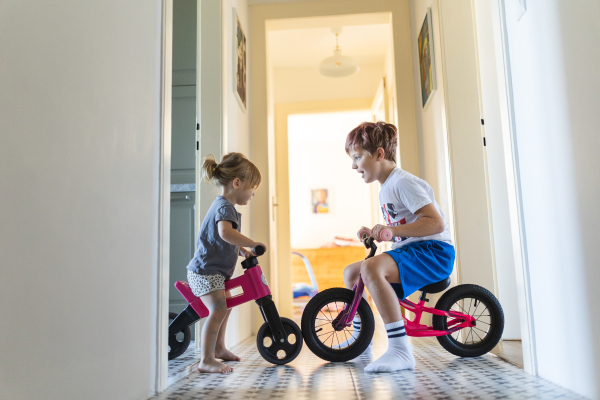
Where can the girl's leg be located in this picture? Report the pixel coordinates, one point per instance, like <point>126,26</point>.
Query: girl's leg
<point>377,273</point>
<point>217,307</point>
<point>220,350</point>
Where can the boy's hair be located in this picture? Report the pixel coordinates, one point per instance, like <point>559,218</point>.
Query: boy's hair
<point>370,136</point>
<point>233,165</point>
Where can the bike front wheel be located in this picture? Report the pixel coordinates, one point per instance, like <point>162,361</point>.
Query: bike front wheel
<point>279,353</point>
<point>480,303</point>
<point>318,326</point>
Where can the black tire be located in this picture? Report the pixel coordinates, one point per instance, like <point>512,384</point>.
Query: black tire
<point>313,326</point>
<point>280,353</point>
<point>179,343</point>
<point>490,325</point>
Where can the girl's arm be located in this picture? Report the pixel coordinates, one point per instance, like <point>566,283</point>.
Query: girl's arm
<point>235,238</point>
<point>429,222</point>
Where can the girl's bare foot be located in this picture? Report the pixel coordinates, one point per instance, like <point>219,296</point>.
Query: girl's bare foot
<point>214,366</point>
<point>226,355</point>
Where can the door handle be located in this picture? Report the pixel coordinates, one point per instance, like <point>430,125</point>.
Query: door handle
<point>183,198</point>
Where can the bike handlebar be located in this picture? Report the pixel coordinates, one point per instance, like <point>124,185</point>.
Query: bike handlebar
<point>385,235</point>
<point>258,250</point>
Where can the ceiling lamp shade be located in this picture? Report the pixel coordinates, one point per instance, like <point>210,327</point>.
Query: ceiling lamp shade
<point>338,66</point>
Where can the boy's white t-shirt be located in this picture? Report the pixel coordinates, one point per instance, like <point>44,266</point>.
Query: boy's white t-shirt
<point>401,195</point>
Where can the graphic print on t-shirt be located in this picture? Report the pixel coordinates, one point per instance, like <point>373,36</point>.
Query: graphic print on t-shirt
<point>389,214</point>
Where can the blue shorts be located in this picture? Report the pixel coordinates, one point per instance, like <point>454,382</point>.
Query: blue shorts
<point>420,264</point>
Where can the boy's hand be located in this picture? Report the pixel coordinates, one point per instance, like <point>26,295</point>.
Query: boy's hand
<point>376,231</point>
<point>362,232</point>
<point>256,244</point>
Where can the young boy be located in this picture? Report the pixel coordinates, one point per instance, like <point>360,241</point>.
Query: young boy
<point>422,252</point>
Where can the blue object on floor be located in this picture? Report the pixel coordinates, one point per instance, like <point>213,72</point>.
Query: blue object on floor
<point>304,289</point>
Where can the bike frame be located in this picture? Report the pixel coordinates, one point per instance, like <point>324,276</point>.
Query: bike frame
<point>413,328</point>
<point>254,287</point>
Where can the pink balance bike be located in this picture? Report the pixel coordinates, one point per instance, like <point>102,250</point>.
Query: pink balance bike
<point>279,340</point>
<point>467,320</point>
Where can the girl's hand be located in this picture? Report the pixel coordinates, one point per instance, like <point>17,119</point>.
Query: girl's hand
<point>376,231</point>
<point>245,252</point>
<point>362,232</point>
<point>256,244</point>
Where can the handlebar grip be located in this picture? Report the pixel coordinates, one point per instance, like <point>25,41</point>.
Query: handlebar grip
<point>364,234</point>
<point>386,235</point>
<point>259,250</point>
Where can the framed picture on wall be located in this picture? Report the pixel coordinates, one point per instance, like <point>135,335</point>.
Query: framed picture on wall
<point>426,59</point>
<point>239,61</point>
<point>320,201</point>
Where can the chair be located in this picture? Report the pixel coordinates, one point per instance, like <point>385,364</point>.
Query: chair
<point>304,289</point>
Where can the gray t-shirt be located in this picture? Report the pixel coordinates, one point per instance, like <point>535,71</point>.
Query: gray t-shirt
<point>213,254</point>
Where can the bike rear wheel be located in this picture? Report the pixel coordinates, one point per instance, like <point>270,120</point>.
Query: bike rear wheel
<point>179,342</point>
<point>318,326</point>
<point>479,303</point>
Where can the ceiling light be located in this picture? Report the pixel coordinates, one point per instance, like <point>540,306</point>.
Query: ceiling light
<point>338,65</point>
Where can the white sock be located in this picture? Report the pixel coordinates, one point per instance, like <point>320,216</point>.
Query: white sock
<point>355,332</point>
<point>399,353</point>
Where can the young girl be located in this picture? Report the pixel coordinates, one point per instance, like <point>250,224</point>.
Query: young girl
<point>217,249</point>
<point>422,252</point>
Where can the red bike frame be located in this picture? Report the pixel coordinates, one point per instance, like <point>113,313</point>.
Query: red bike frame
<point>414,327</point>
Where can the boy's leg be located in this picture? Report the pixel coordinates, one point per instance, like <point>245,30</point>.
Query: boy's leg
<point>220,349</point>
<point>377,273</point>
<point>351,273</point>
<point>217,307</point>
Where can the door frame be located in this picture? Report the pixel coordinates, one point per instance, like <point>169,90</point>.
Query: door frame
<point>515,194</point>
<point>164,198</point>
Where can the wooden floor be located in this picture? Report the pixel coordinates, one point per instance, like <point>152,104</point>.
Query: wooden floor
<point>511,351</point>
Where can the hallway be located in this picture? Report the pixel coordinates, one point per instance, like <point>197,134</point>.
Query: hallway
<point>438,375</point>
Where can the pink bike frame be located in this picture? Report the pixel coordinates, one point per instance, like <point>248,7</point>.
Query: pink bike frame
<point>414,327</point>
<point>253,284</point>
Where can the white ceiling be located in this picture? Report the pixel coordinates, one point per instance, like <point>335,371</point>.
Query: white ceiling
<point>367,44</point>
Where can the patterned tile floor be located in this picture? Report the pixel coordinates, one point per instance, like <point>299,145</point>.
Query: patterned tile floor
<point>438,375</point>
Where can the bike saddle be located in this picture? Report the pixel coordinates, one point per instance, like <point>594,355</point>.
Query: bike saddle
<point>436,287</point>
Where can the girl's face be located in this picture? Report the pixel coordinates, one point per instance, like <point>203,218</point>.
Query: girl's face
<point>365,164</point>
<point>242,195</point>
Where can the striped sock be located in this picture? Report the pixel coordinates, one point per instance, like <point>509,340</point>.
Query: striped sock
<point>399,353</point>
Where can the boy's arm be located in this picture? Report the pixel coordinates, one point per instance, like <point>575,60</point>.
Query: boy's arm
<point>235,238</point>
<point>429,222</point>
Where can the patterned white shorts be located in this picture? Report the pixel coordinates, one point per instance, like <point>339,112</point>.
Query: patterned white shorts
<point>203,284</point>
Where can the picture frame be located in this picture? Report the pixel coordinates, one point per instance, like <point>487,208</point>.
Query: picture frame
<point>425,48</point>
<point>239,62</point>
<point>320,200</point>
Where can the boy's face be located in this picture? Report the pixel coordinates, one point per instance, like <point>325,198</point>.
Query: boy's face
<point>365,164</point>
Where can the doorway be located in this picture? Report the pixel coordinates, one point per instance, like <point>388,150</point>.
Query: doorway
<point>328,201</point>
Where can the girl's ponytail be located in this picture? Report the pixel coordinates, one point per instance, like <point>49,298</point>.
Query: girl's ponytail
<point>233,165</point>
<point>209,168</point>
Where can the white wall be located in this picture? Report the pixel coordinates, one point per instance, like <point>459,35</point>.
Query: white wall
<point>236,137</point>
<point>317,159</point>
<point>432,137</point>
<point>79,162</point>
<point>306,84</point>
<point>553,63</point>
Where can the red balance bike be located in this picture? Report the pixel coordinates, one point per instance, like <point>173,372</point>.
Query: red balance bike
<point>467,320</point>
<point>279,340</point>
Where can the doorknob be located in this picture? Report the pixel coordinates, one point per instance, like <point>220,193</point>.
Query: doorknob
<point>274,204</point>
